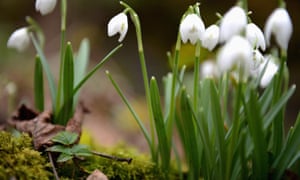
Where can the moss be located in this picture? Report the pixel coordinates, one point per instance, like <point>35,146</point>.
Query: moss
<point>20,160</point>
<point>141,166</point>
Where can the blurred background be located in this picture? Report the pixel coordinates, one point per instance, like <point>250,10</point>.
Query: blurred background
<point>159,21</point>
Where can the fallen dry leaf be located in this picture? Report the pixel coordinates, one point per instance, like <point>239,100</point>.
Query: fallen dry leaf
<point>97,175</point>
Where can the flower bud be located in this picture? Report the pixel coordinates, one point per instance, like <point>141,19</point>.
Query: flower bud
<point>270,69</point>
<point>209,69</point>
<point>233,22</point>
<point>191,28</point>
<point>118,24</point>
<point>19,39</point>
<point>45,6</point>
<point>211,37</point>
<point>280,25</point>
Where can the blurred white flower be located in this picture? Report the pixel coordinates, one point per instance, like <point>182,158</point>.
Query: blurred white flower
<point>236,53</point>
<point>209,69</point>
<point>19,39</point>
<point>270,68</point>
<point>232,23</point>
<point>255,36</point>
<point>211,37</point>
<point>258,59</point>
<point>280,25</point>
<point>191,28</point>
<point>45,6</point>
<point>118,24</point>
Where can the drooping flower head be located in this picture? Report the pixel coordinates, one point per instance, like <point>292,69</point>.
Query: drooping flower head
<point>118,24</point>
<point>280,25</point>
<point>233,22</point>
<point>236,53</point>
<point>211,37</point>
<point>19,39</point>
<point>255,36</point>
<point>191,28</point>
<point>209,69</point>
<point>45,6</point>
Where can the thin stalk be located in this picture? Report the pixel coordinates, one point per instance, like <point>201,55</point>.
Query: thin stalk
<point>136,22</point>
<point>115,158</point>
<point>53,166</point>
<point>58,102</point>
<point>196,75</point>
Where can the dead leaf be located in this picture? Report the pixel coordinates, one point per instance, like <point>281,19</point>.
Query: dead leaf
<point>40,126</point>
<point>97,175</point>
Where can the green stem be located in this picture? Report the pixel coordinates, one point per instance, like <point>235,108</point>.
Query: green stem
<point>136,22</point>
<point>58,102</point>
<point>196,75</point>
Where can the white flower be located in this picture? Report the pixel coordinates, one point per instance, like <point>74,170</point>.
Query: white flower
<point>211,37</point>
<point>255,36</point>
<point>209,69</point>
<point>45,6</point>
<point>270,69</point>
<point>19,39</point>
<point>236,53</point>
<point>118,24</point>
<point>191,28</point>
<point>233,22</point>
<point>258,59</point>
<point>280,25</point>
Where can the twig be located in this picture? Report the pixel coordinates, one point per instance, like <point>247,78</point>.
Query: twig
<point>53,166</point>
<point>128,160</point>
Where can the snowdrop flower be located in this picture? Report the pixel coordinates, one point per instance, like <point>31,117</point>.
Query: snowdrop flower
<point>237,52</point>
<point>211,37</point>
<point>209,69</point>
<point>258,60</point>
<point>19,39</point>
<point>45,6</point>
<point>270,70</point>
<point>280,25</point>
<point>233,22</point>
<point>118,24</point>
<point>191,28</point>
<point>255,36</point>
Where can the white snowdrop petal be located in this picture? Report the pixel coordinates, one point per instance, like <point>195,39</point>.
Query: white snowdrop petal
<point>270,70</point>
<point>233,22</point>
<point>19,39</point>
<point>45,6</point>
<point>211,37</point>
<point>280,25</point>
<point>191,28</point>
<point>209,69</point>
<point>236,52</point>
<point>255,36</point>
<point>118,24</point>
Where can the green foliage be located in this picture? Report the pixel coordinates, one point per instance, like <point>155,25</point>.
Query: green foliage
<point>66,147</point>
<point>20,160</point>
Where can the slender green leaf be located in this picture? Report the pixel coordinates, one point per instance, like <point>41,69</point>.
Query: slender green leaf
<point>189,135</point>
<point>65,138</point>
<point>163,140</point>
<point>38,85</point>
<point>269,117</point>
<point>254,119</point>
<point>289,151</point>
<point>80,65</point>
<point>45,67</point>
<point>134,114</point>
<point>99,65</point>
